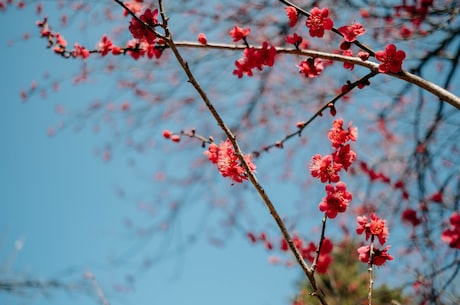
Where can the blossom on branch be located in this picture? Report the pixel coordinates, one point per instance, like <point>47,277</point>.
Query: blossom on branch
<point>336,201</point>
<point>376,227</point>
<point>318,22</point>
<point>143,30</point>
<point>291,13</point>
<point>350,32</point>
<point>324,168</point>
<point>311,68</point>
<point>80,51</point>
<point>339,136</point>
<point>379,257</point>
<point>391,59</point>
<point>238,33</point>
<point>227,161</point>
<point>452,235</point>
<point>255,58</point>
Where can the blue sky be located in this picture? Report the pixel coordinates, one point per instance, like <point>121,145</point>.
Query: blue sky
<point>60,215</point>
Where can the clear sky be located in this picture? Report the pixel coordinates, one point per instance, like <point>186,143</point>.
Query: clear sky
<point>60,215</point>
<point>65,212</point>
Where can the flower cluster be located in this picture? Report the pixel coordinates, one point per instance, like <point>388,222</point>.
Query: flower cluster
<point>143,29</point>
<point>327,168</point>
<point>376,227</point>
<point>255,58</point>
<point>452,234</point>
<point>227,161</point>
<point>136,48</point>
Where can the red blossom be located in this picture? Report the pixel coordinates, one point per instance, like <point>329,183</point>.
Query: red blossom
<point>410,216</point>
<point>143,30</point>
<point>376,227</point>
<point>391,59</point>
<point>134,6</point>
<point>202,38</point>
<point>339,136</point>
<point>318,22</point>
<point>153,51</point>
<point>135,49</point>
<point>291,13</point>
<point>294,39</point>
<point>452,234</point>
<point>238,33</point>
<point>167,134</point>
<point>347,65</point>
<point>104,45</point>
<point>379,257</point>
<point>324,168</point>
<point>350,32</point>
<point>311,68</point>
<point>227,161</point>
<point>80,51</point>
<point>363,55</point>
<point>255,58</point>
<point>344,156</point>
<point>336,201</point>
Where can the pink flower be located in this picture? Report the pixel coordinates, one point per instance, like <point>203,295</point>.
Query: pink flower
<point>324,168</point>
<point>311,68</point>
<point>318,22</point>
<point>344,156</point>
<point>291,13</point>
<point>379,257</point>
<point>80,51</point>
<point>202,38</point>
<point>376,227</point>
<point>336,201</point>
<point>238,33</point>
<point>338,136</point>
<point>134,6</point>
<point>347,65</point>
<point>104,46</point>
<point>255,58</point>
<point>227,161</point>
<point>135,49</point>
<point>143,30</point>
<point>391,59</point>
<point>452,235</point>
<point>294,39</point>
<point>350,32</point>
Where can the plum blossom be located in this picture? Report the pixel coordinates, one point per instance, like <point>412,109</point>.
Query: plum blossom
<point>391,59</point>
<point>324,168</point>
<point>318,22</point>
<point>238,33</point>
<point>336,201</point>
<point>350,32</point>
<point>291,13</point>
<point>227,161</point>
<point>311,68</point>
<point>142,29</point>
<point>376,226</point>
<point>452,234</point>
<point>379,257</point>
